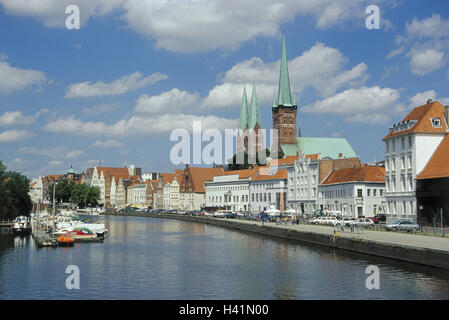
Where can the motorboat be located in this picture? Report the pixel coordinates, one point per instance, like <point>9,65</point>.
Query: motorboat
<point>65,240</point>
<point>21,225</point>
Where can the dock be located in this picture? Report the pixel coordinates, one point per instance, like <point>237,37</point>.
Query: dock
<point>47,239</point>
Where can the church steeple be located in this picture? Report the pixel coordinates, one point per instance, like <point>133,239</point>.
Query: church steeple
<point>284,94</point>
<point>254,117</point>
<point>244,114</point>
<point>285,110</point>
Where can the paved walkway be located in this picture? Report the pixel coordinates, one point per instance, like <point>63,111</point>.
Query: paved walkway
<point>397,238</point>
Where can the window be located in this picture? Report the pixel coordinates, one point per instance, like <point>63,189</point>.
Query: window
<point>409,141</point>
<point>403,143</point>
<point>436,122</point>
<point>359,193</point>
<point>375,192</point>
<point>368,192</point>
<point>387,146</point>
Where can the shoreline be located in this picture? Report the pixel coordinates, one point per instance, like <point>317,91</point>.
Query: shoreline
<point>364,242</point>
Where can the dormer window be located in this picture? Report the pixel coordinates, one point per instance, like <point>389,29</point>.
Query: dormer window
<point>436,122</point>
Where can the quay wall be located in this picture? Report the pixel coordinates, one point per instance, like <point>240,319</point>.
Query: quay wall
<point>422,256</point>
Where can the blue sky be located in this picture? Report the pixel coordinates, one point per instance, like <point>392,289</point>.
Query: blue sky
<point>113,90</point>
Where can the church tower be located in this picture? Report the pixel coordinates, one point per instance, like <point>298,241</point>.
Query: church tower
<point>284,108</point>
<point>250,136</point>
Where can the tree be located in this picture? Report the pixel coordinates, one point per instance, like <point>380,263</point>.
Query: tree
<point>259,160</point>
<point>63,190</point>
<point>83,195</point>
<point>14,194</point>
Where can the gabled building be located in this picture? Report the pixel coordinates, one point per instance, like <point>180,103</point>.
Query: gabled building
<point>192,187</point>
<point>409,145</point>
<point>354,192</point>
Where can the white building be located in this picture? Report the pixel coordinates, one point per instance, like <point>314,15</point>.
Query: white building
<point>355,192</point>
<point>408,147</point>
<point>268,190</point>
<point>229,191</point>
<point>303,180</point>
<point>305,175</point>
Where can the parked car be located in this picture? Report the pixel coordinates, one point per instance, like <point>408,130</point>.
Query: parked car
<point>402,225</point>
<point>346,222</point>
<point>379,218</point>
<point>209,214</point>
<point>364,223</point>
<point>332,221</point>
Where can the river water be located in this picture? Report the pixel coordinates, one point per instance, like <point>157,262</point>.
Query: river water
<point>147,258</point>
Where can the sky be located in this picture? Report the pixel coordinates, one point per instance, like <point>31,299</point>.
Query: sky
<point>113,91</point>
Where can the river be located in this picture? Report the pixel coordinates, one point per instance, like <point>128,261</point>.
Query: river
<point>148,258</point>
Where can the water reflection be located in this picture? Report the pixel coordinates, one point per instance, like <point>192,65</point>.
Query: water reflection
<point>147,258</point>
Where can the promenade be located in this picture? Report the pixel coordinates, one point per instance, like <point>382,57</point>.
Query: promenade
<point>386,237</point>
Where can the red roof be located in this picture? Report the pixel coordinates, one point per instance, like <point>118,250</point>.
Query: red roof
<point>438,165</point>
<point>423,115</point>
<point>362,174</point>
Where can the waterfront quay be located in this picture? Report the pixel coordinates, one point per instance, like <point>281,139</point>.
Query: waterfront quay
<point>419,249</point>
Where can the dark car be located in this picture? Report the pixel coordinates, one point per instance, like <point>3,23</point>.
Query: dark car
<point>261,216</point>
<point>379,218</point>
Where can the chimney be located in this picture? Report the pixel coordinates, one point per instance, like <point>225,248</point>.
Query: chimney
<point>340,155</point>
<point>429,101</point>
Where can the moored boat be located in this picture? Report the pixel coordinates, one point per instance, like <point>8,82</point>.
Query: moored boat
<point>65,240</point>
<point>21,226</point>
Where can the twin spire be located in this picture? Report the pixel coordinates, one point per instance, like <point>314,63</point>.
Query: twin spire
<point>249,117</point>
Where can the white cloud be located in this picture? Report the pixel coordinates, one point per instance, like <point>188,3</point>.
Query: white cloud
<point>425,42</point>
<point>52,12</point>
<point>14,118</point>
<point>197,25</point>
<point>14,135</point>
<point>55,163</point>
<point>138,125</point>
<point>125,84</point>
<point>174,100</point>
<point>426,61</point>
<point>74,154</point>
<point>366,104</point>
<point>432,27</point>
<point>10,118</point>
<point>107,144</point>
<point>320,67</point>
<point>421,98</point>
<point>13,79</point>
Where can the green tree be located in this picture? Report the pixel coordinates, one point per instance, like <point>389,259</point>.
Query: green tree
<point>83,195</point>
<point>14,194</point>
<point>63,190</point>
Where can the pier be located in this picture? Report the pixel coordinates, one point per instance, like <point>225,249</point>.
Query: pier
<point>6,225</point>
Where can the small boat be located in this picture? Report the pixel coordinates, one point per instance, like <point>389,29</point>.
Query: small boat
<point>21,226</point>
<point>65,241</point>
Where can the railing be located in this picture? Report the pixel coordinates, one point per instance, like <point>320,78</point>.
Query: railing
<point>6,223</point>
<point>438,232</point>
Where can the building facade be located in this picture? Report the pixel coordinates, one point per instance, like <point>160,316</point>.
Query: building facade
<point>409,146</point>
<point>354,192</point>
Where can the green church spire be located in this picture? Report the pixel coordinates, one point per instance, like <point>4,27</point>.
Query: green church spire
<point>244,114</point>
<point>254,117</point>
<point>284,94</point>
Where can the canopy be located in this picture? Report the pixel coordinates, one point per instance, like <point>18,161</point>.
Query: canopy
<point>273,212</point>
<point>290,211</point>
